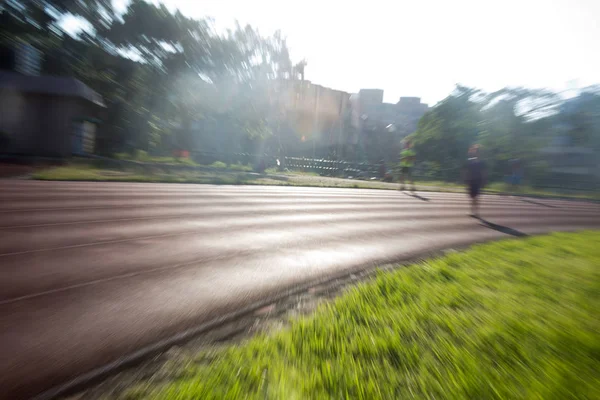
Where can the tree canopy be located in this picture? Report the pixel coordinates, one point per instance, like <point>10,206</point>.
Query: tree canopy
<point>172,82</point>
<point>512,123</point>
<point>158,71</point>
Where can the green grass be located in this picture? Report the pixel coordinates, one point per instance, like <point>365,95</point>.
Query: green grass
<point>233,167</point>
<point>240,167</point>
<point>515,319</point>
<point>501,187</point>
<point>143,156</point>
<point>237,175</point>
<point>275,170</point>
<point>218,164</point>
<point>86,173</point>
<point>81,170</point>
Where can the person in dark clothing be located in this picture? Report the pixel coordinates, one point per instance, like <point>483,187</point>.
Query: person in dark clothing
<point>475,178</point>
<point>516,172</point>
<point>382,169</point>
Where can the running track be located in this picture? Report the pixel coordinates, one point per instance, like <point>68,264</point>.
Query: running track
<point>92,271</point>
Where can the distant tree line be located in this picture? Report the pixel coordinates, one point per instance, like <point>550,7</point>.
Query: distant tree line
<point>510,124</point>
<point>158,72</point>
<point>171,82</point>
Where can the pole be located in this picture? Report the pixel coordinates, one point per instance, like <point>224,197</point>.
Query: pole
<point>315,130</point>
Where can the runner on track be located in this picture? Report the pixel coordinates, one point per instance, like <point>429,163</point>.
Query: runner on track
<point>407,161</point>
<point>475,178</point>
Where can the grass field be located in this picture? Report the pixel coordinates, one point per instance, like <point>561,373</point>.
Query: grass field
<point>515,319</point>
<point>87,173</point>
<point>235,176</point>
<point>239,175</point>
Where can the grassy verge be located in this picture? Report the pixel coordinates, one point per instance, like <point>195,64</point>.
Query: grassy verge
<point>515,319</point>
<point>238,174</point>
<point>86,173</point>
<point>276,171</point>
<point>500,187</point>
<point>235,176</point>
<point>142,156</point>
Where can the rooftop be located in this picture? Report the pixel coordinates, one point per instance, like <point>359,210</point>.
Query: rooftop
<point>53,85</point>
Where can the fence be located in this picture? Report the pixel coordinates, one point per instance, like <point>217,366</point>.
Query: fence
<point>363,170</point>
<point>323,167</point>
<point>331,167</point>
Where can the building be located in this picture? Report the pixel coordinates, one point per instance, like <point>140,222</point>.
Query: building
<point>46,115</point>
<point>314,113</point>
<point>370,113</point>
<point>377,128</point>
<point>409,112</point>
<point>313,121</point>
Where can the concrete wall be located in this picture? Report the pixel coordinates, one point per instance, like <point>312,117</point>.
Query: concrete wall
<point>371,113</point>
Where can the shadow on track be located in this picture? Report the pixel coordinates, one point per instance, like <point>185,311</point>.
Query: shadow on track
<point>537,203</point>
<point>416,196</point>
<point>501,228</point>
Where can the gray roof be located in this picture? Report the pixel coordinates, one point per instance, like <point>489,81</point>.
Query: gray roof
<point>53,85</point>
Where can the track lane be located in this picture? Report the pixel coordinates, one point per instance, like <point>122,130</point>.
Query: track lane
<point>81,285</point>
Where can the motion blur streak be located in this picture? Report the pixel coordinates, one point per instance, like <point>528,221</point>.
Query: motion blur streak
<point>90,272</point>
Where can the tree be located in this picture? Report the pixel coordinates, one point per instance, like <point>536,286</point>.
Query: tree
<point>581,118</point>
<point>446,131</point>
<point>157,70</point>
<point>505,123</point>
<point>42,17</point>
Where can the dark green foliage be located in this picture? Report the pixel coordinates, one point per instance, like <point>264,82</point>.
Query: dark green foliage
<point>509,124</point>
<point>160,74</point>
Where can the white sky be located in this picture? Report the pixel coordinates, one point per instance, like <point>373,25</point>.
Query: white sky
<point>424,47</point>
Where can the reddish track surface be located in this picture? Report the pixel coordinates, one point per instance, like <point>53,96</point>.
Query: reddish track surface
<point>93,271</point>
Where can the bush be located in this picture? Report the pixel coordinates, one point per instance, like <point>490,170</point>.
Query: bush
<point>186,161</point>
<point>429,169</point>
<point>122,156</point>
<point>141,155</point>
<point>260,167</point>
<point>219,164</point>
<point>538,172</point>
<point>240,167</point>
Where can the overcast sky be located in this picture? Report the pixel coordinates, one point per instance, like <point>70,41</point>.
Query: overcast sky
<point>424,47</point>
